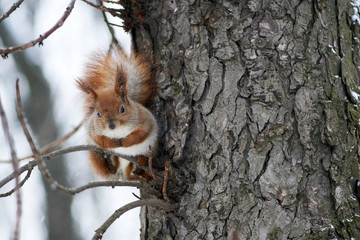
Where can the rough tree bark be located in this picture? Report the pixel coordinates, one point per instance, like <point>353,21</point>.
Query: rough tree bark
<point>258,110</point>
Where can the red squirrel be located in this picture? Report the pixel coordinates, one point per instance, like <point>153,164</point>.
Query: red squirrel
<point>117,89</point>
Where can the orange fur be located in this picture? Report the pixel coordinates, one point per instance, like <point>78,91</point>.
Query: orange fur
<point>142,160</point>
<point>148,83</point>
<point>136,137</point>
<point>111,105</point>
<point>134,174</point>
<point>104,165</point>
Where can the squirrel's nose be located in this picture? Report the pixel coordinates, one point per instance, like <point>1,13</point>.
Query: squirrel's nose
<point>111,125</point>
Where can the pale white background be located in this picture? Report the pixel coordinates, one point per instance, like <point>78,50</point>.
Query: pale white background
<point>63,58</point>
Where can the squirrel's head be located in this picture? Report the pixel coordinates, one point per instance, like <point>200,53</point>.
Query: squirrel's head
<point>111,105</point>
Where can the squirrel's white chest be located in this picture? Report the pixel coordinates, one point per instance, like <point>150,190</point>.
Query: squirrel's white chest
<point>140,148</point>
<point>119,132</point>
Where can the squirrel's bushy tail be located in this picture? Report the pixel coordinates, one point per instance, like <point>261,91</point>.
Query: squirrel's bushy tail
<point>142,85</point>
<point>102,72</point>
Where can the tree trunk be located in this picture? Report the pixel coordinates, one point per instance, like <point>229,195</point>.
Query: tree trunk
<point>258,110</point>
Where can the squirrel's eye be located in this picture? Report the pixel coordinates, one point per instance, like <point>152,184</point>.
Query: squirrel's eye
<point>99,115</point>
<point>122,109</point>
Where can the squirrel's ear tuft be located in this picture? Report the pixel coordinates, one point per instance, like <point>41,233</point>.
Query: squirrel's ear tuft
<point>121,83</point>
<point>86,88</point>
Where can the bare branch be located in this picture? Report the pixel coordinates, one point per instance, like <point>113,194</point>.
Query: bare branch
<point>11,10</point>
<point>40,161</point>
<point>157,203</point>
<point>21,117</point>
<point>38,157</point>
<point>30,166</point>
<point>72,191</point>
<point>111,29</point>
<point>139,185</point>
<point>39,40</point>
<point>15,165</point>
<point>102,8</point>
<point>115,25</point>
<point>107,1</point>
<point>150,164</point>
<point>166,176</point>
<point>51,146</point>
<point>20,185</point>
<point>136,196</point>
<point>63,151</point>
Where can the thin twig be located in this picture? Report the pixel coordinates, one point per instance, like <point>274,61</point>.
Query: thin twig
<point>38,157</point>
<point>11,10</point>
<point>107,1</point>
<point>16,170</point>
<point>58,142</point>
<point>166,176</point>
<point>146,202</point>
<point>4,52</point>
<point>56,153</point>
<point>30,165</point>
<point>21,117</point>
<point>136,196</point>
<point>150,164</point>
<point>59,152</point>
<point>115,25</point>
<point>110,28</point>
<point>51,146</point>
<point>27,167</point>
<point>20,185</point>
<point>73,191</point>
<point>147,188</point>
<point>102,8</point>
